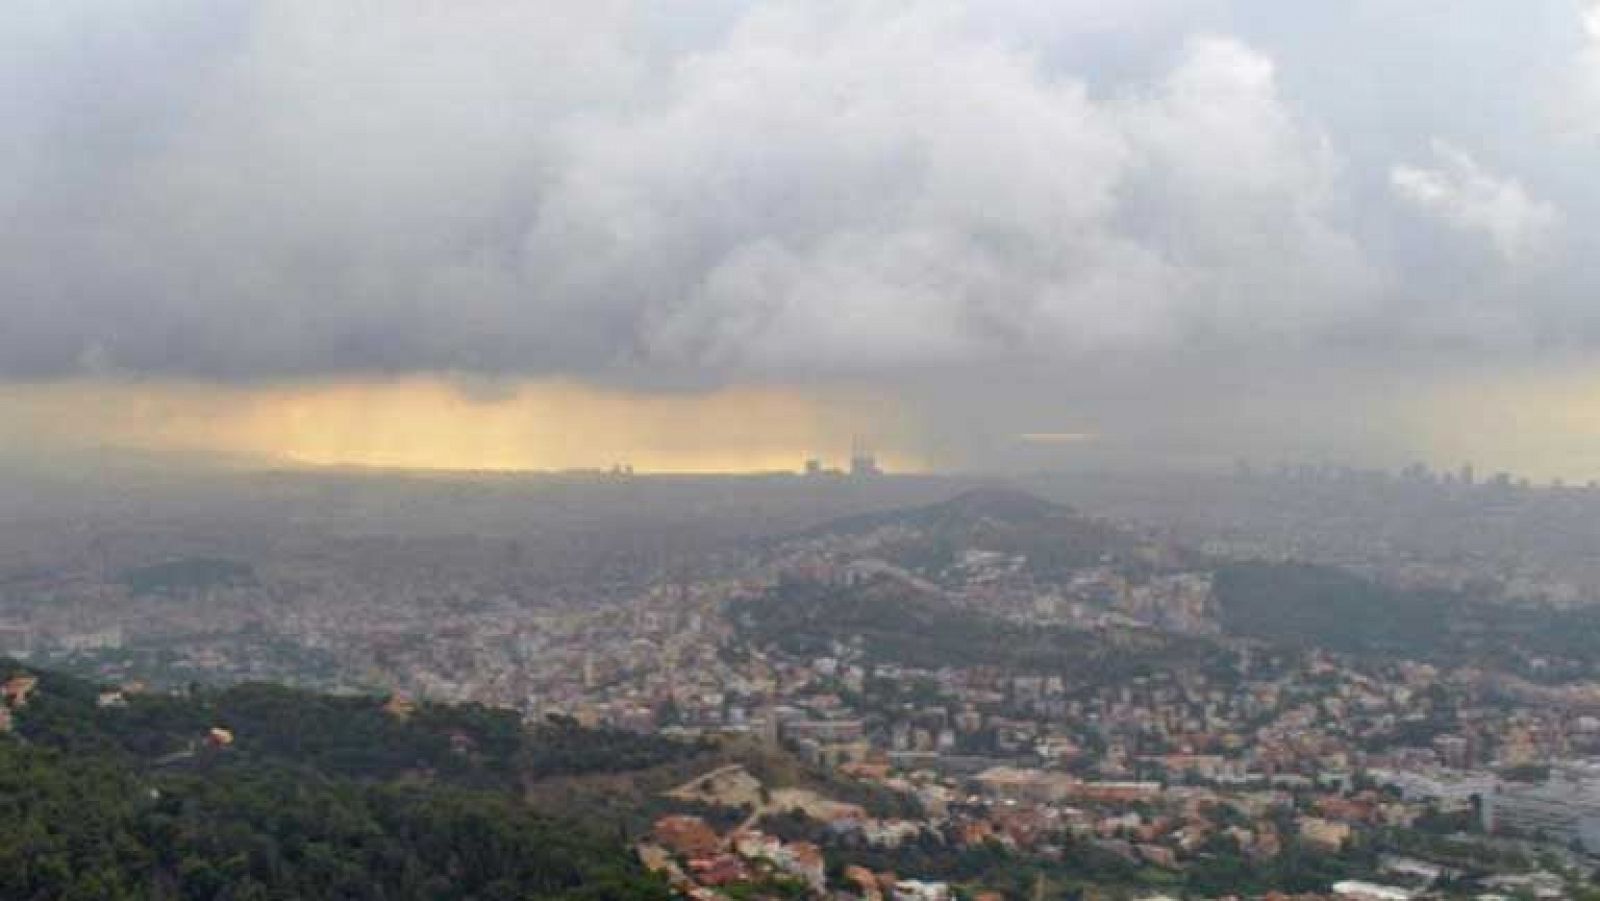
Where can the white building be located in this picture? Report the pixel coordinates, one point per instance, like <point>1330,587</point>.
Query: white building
<point>917,890</point>
<point>1564,809</point>
<point>1355,890</point>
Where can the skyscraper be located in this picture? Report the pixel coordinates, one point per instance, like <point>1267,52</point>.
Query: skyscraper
<point>862,461</point>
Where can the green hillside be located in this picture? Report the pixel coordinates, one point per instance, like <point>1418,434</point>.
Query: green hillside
<point>893,623</point>
<point>315,797</point>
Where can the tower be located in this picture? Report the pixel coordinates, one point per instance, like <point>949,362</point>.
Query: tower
<point>862,461</point>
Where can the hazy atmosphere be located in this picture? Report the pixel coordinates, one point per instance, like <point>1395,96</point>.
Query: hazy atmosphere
<point>727,235</point>
<point>800,450</point>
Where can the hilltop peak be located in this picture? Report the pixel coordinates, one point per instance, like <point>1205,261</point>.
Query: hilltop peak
<point>1003,503</point>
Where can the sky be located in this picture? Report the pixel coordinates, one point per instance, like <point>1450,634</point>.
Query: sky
<point>730,234</point>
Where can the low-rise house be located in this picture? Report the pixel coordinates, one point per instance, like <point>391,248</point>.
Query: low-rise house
<point>18,688</point>
<point>917,890</point>
<point>1324,835</point>
<point>1356,890</point>
<point>686,836</point>
<point>717,871</point>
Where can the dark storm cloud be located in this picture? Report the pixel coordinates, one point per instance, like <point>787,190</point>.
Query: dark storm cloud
<point>778,189</point>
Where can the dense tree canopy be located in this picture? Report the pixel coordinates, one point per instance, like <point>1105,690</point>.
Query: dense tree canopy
<point>317,797</point>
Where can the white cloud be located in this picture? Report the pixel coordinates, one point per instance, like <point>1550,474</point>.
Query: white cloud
<point>860,192</point>
<point>1238,195</point>
<point>757,187</point>
<point>1461,193</point>
<point>1580,107</point>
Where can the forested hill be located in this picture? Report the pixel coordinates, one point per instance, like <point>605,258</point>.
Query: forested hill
<point>1320,606</point>
<point>297,796</point>
<point>359,737</point>
<point>891,622</point>
<point>1052,538</point>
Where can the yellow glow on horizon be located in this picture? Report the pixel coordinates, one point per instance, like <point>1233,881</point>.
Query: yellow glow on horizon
<point>1543,424</point>
<point>440,424</point>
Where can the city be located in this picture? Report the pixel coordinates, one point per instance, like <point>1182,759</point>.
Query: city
<point>799,450</point>
<point>1013,687</point>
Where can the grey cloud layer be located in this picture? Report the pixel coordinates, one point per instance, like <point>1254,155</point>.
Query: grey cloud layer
<point>1465,196</point>
<point>754,189</point>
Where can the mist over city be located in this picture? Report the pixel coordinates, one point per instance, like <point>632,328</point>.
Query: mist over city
<point>763,449</point>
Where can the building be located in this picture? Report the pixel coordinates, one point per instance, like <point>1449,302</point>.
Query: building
<point>1355,890</point>
<point>1564,809</point>
<point>16,641</point>
<point>805,861</point>
<point>862,461</point>
<point>836,731</point>
<point>688,836</point>
<point>1016,784</point>
<point>1325,835</point>
<point>917,890</point>
<point>1452,786</point>
<point>17,689</point>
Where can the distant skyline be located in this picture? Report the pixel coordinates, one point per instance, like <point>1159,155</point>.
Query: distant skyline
<point>989,236</point>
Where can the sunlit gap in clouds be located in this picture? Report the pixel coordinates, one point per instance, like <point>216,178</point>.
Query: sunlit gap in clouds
<point>443,423</point>
<point>1057,437</point>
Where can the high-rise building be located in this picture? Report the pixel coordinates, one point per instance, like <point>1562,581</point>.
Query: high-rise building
<point>1565,809</point>
<point>862,461</point>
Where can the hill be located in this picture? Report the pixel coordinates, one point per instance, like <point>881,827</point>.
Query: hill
<point>967,576</point>
<point>300,796</point>
<point>1309,605</point>
<point>1052,539</point>
<point>889,621</point>
<point>963,511</point>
